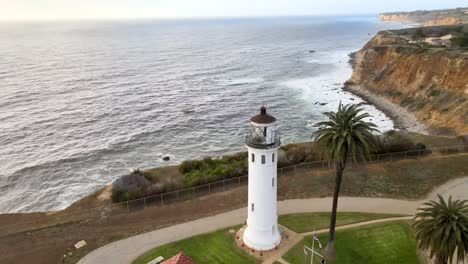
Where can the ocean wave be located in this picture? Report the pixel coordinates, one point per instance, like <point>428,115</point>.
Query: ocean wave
<point>78,118</point>
<point>243,81</point>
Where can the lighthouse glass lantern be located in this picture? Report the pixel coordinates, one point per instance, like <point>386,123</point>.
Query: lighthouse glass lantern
<point>262,142</point>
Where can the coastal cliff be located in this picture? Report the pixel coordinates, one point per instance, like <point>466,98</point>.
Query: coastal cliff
<point>429,81</point>
<point>429,18</point>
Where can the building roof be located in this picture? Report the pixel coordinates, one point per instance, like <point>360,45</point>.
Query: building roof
<point>180,258</point>
<point>263,117</point>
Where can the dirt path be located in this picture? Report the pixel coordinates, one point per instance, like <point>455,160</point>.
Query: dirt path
<point>126,250</point>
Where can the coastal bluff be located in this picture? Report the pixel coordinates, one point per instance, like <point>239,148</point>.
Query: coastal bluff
<point>430,80</point>
<point>429,18</point>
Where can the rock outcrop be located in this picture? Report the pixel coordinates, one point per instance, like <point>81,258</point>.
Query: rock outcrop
<point>431,82</point>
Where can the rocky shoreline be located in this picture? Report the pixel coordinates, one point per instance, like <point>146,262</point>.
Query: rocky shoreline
<point>401,117</point>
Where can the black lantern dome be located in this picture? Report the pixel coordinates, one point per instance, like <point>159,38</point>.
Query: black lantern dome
<point>263,117</point>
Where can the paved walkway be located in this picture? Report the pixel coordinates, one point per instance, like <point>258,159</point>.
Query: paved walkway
<point>126,250</point>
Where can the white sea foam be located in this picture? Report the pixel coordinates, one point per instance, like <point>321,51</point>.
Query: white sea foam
<point>243,81</point>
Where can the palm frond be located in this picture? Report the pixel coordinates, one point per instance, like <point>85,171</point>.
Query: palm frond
<point>441,227</point>
<point>346,135</point>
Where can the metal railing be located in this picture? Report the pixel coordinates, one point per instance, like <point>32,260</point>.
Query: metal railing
<point>260,141</point>
<point>202,190</point>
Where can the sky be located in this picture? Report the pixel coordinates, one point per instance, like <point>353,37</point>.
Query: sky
<point>135,9</point>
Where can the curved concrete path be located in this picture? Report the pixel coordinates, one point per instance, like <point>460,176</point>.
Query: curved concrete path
<point>126,250</point>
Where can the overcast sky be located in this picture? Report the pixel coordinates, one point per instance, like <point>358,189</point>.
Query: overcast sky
<point>115,9</point>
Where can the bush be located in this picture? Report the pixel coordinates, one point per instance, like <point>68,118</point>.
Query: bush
<point>208,170</point>
<point>396,141</point>
<point>461,41</point>
<point>117,196</point>
<point>123,196</point>
<point>186,167</point>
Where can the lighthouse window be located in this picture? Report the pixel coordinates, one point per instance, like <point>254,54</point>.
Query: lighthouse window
<point>272,182</point>
<point>253,157</point>
<point>253,208</point>
<point>263,159</point>
<point>273,157</point>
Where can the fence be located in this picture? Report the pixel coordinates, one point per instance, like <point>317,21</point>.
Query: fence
<point>202,190</point>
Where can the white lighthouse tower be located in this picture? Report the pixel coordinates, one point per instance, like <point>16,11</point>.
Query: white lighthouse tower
<point>262,142</point>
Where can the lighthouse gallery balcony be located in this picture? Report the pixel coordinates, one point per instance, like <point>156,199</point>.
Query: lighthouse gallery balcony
<point>255,140</point>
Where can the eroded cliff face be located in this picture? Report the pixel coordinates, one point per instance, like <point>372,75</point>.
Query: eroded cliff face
<point>431,83</point>
<point>396,18</point>
<point>425,21</point>
<point>429,18</point>
<point>444,22</point>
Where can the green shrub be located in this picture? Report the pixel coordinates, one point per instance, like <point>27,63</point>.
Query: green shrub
<point>185,166</point>
<point>117,196</point>
<point>461,41</point>
<point>434,92</point>
<point>122,196</point>
<point>394,93</point>
<point>407,101</point>
<point>209,170</point>
<point>397,141</point>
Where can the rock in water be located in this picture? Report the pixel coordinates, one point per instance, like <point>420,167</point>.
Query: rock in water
<point>166,158</point>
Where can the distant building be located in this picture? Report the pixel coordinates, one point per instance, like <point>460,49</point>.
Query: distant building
<point>447,37</point>
<point>433,40</point>
<point>180,258</point>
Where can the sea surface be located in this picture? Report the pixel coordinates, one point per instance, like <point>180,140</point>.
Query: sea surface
<point>82,103</point>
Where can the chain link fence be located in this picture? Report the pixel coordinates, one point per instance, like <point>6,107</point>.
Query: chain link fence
<point>57,218</point>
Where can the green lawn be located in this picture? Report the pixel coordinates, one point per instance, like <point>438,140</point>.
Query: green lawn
<point>216,247</point>
<point>391,242</point>
<point>304,222</point>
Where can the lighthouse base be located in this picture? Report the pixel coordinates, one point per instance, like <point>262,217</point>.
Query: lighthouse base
<point>261,240</point>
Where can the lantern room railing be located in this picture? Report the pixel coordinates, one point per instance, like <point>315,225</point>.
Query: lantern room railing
<point>260,141</point>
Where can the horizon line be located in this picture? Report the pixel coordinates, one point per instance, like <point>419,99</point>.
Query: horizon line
<point>83,19</point>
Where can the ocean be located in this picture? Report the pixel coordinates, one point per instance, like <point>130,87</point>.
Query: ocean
<point>82,103</point>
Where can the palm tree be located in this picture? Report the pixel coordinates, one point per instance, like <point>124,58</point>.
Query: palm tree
<point>442,228</point>
<point>345,137</point>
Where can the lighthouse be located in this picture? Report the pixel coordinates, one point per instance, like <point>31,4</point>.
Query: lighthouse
<point>262,143</point>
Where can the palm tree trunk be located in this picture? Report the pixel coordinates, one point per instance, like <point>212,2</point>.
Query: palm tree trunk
<point>330,253</point>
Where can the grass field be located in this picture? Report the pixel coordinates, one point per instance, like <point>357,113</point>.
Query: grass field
<point>434,141</point>
<point>219,246</point>
<point>405,179</point>
<point>304,222</point>
<point>391,242</point>
<point>216,247</point>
